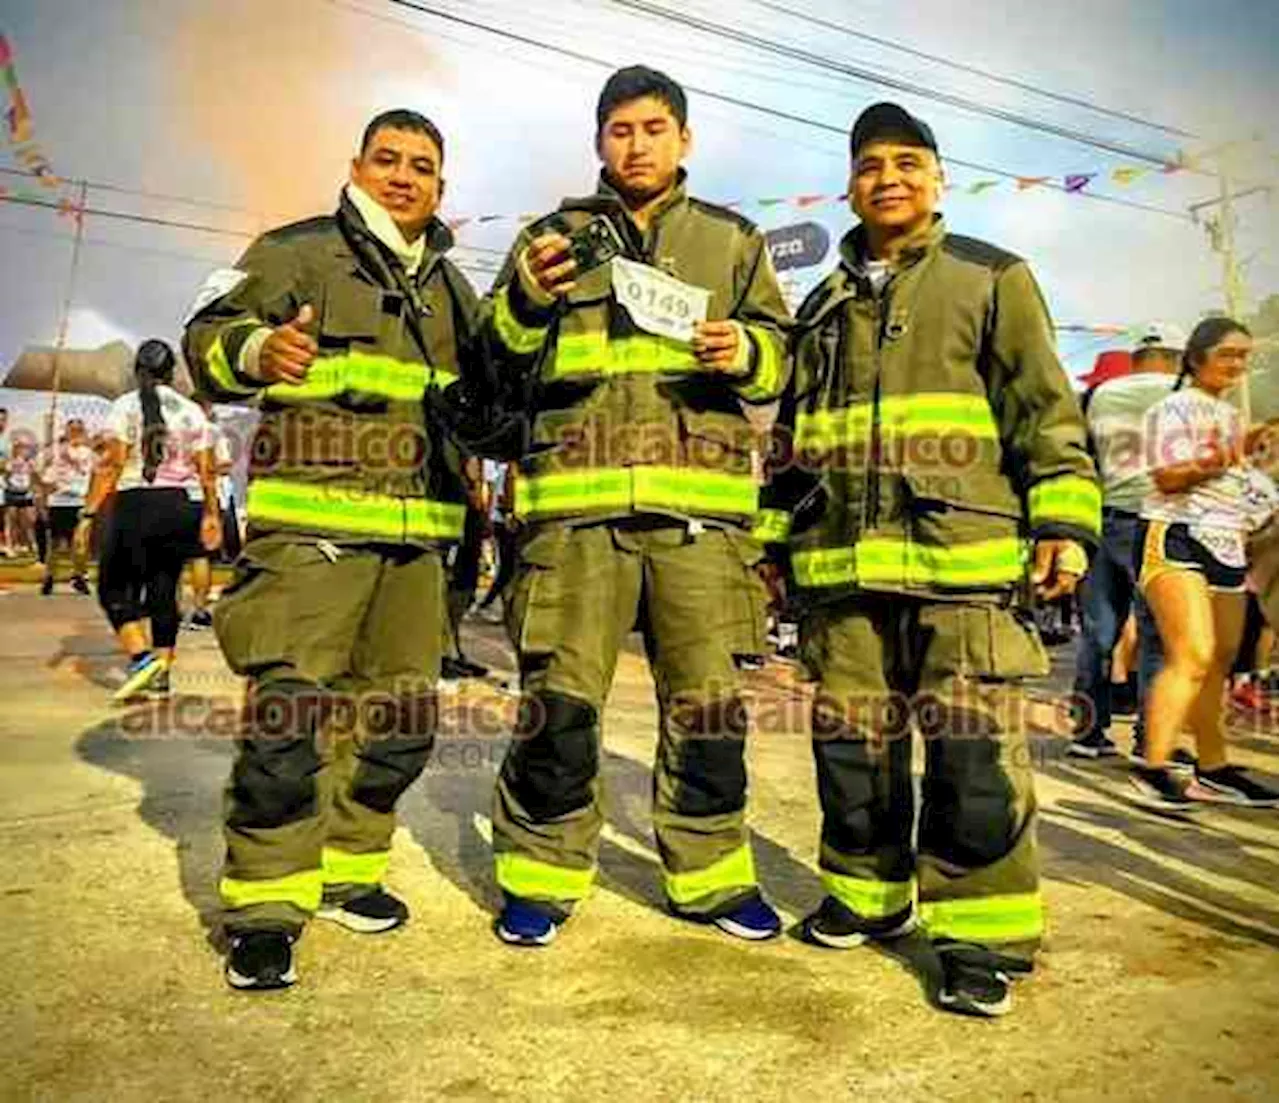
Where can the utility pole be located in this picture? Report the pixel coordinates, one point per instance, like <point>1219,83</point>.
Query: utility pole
<point>1221,228</point>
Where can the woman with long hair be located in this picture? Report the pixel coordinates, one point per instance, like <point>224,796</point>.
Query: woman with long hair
<point>1191,566</point>
<point>158,446</point>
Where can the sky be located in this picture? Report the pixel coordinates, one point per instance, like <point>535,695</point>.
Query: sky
<point>239,115</point>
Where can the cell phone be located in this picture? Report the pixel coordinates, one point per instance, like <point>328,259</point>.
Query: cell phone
<point>595,244</point>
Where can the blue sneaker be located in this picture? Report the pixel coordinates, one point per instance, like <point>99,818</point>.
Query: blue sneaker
<point>751,918</point>
<point>522,924</point>
<point>140,675</point>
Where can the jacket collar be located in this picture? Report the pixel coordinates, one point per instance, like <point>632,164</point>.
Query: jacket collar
<point>853,246</point>
<point>367,247</point>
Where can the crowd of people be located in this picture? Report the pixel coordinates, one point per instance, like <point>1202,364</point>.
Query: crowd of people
<point>928,481</point>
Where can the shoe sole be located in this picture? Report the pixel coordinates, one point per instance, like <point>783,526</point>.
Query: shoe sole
<point>527,941</point>
<point>1209,793</point>
<point>1153,802</point>
<point>964,1005</point>
<point>242,983</point>
<point>361,924</point>
<point>853,941</point>
<point>1078,750</point>
<point>134,685</point>
<point>747,934</point>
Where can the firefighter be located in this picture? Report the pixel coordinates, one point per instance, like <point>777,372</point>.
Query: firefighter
<point>344,329</point>
<point>936,468</point>
<point>636,501</point>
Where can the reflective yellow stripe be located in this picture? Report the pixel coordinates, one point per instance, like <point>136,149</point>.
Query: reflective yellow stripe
<point>342,868</point>
<point>735,870</point>
<point>362,373</point>
<point>518,337</point>
<point>300,889</point>
<point>321,507</point>
<point>680,489</point>
<point>873,561</point>
<point>527,877</point>
<point>1011,918</point>
<point>1071,499</point>
<point>597,354</point>
<point>219,366</point>
<point>900,415</point>
<point>767,380</point>
<point>868,897</point>
<point>772,526</point>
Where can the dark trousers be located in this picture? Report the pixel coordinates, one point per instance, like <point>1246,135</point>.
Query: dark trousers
<point>1109,592</point>
<point>149,535</point>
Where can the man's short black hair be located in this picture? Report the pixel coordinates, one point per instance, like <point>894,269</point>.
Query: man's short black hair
<point>401,118</point>
<point>634,83</point>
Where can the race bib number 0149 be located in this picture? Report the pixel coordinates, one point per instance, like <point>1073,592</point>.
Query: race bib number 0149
<point>659,303</point>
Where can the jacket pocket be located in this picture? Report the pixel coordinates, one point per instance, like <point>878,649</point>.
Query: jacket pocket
<point>720,441</point>
<point>750,595</point>
<point>353,313</point>
<point>983,643</point>
<point>535,609</point>
<point>254,619</point>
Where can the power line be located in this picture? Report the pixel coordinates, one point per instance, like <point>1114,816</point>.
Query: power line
<point>974,70</point>
<point>795,53</point>
<point>787,116</point>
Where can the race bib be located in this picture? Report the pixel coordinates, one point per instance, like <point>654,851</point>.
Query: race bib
<point>659,303</point>
<point>1225,545</point>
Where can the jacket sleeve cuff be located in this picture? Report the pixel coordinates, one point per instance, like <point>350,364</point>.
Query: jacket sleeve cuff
<point>1065,507</point>
<point>228,367</point>
<point>521,325</point>
<point>766,375</point>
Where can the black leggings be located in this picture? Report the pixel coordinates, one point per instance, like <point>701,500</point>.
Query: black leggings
<point>150,534</point>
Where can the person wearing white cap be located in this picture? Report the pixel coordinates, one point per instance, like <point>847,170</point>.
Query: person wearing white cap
<point>1116,413</point>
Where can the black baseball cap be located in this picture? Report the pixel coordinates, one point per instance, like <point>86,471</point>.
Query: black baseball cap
<point>888,121</point>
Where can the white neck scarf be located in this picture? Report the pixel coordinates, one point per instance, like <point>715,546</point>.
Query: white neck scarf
<point>384,228</point>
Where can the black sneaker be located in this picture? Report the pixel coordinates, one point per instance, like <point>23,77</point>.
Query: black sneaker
<point>200,620</point>
<point>976,981</point>
<point>261,961</point>
<point>833,925</point>
<point>1093,745</point>
<point>46,587</point>
<point>1124,698</point>
<point>80,584</point>
<point>373,912</point>
<point>1160,790</point>
<point>454,668</point>
<point>1232,785</point>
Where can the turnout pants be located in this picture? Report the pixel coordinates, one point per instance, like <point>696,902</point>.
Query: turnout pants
<point>890,664</point>
<point>342,650</point>
<point>576,595</point>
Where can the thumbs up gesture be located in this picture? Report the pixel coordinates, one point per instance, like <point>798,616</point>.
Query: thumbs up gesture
<point>287,354</point>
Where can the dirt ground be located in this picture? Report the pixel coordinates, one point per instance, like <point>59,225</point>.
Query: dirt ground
<point>1159,979</point>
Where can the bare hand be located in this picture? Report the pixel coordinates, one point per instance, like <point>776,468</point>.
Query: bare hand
<point>1058,567</point>
<point>717,345</point>
<point>286,356</point>
<point>210,532</point>
<point>550,264</point>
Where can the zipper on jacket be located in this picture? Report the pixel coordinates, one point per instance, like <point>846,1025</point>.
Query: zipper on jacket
<point>871,468</point>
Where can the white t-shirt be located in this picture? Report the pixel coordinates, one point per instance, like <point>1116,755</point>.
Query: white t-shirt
<point>222,457</point>
<point>187,433</point>
<point>1117,425</point>
<point>67,472</point>
<point>1220,511</point>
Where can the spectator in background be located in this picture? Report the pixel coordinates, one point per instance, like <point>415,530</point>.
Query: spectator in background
<point>200,570</point>
<point>1190,556</point>
<point>65,472</point>
<point>19,499</point>
<point>158,444</point>
<point>1122,390</point>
